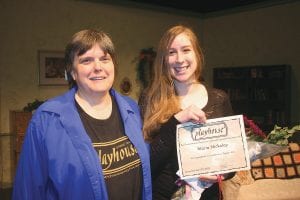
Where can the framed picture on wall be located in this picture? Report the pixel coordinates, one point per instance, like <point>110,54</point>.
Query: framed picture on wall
<point>125,86</point>
<point>51,68</point>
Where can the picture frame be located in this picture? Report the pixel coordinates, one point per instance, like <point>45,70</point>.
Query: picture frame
<point>126,86</point>
<point>51,68</point>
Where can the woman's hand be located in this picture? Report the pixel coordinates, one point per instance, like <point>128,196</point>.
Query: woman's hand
<point>191,113</point>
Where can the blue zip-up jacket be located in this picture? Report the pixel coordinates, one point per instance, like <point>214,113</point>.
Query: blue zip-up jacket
<point>58,160</point>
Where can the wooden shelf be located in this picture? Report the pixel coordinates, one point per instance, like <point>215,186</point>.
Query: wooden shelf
<point>19,121</point>
<point>262,93</point>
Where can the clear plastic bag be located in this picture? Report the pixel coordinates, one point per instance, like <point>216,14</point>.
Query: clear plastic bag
<point>261,150</point>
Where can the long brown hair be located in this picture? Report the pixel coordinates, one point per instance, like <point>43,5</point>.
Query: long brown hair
<point>161,100</point>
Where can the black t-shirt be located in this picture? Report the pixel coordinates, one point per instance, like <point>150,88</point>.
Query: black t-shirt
<point>119,159</point>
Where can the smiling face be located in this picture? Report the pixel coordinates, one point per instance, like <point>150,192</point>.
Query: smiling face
<point>93,72</point>
<point>182,60</point>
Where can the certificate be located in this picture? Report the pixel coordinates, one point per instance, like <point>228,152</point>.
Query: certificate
<point>216,147</point>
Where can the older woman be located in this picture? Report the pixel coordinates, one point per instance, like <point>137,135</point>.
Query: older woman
<point>88,142</point>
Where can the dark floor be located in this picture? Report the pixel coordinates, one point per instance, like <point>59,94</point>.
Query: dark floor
<point>5,193</point>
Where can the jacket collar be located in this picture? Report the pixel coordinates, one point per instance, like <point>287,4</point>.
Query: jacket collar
<point>64,105</point>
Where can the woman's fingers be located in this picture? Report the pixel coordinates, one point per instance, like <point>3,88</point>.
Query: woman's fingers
<point>191,113</point>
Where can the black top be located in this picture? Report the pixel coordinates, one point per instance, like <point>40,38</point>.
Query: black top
<point>164,163</point>
<point>120,162</point>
